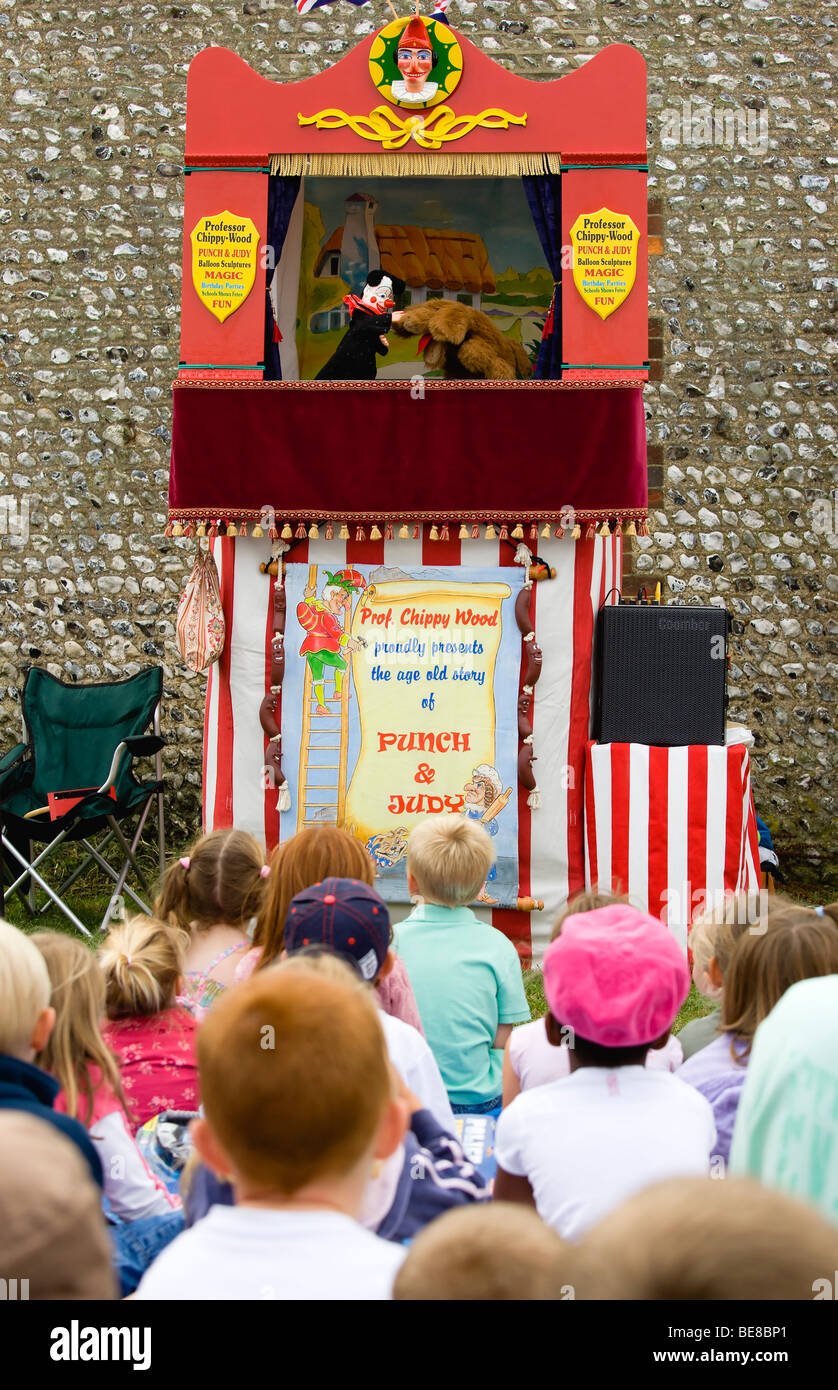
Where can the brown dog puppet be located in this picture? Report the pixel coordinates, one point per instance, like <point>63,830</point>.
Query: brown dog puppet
<point>463,343</point>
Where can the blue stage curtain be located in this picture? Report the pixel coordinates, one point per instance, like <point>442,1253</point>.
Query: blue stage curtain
<point>282,195</point>
<point>545,201</point>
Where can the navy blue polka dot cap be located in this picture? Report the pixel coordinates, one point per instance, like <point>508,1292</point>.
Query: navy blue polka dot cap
<point>343,915</point>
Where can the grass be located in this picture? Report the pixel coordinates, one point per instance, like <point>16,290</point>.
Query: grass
<point>88,896</point>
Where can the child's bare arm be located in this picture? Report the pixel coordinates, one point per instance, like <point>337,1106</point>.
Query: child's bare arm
<point>502,1035</point>
<point>511,1084</point>
<point>509,1188</point>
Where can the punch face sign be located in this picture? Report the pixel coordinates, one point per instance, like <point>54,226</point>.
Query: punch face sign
<point>224,253</point>
<point>604,258</point>
<point>416,62</point>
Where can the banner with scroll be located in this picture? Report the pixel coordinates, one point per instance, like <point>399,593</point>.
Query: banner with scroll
<point>399,702</point>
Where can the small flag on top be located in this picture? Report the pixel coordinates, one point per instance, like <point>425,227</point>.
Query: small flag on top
<point>306,6</point>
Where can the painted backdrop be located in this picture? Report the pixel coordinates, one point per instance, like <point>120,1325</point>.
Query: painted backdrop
<point>467,239</point>
<point>399,701</point>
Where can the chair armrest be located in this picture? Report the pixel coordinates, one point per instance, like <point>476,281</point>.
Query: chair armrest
<point>138,746</point>
<point>11,764</point>
<point>144,746</point>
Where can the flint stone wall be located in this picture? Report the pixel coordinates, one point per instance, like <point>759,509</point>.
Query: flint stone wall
<point>742,426</point>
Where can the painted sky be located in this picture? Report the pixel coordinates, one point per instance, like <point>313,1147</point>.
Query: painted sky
<point>496,208</point>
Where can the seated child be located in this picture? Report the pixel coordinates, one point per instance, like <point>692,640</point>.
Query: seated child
<point>50,1215</point>
<point>695,1239</point>
<point>152,1035</point>
<point>497,1252</point>
<point>299,1103</point>
<point>577,1147</point>
<point>465,973</point>
<point>91,1087</point>
<point>212,894</point>
<point>789,944</point>
<point>427,1174</point>
<point>786,1133</point>
<point>530,1058</point>
<point>345,916</point>
<point>712,937</point>
<point>26,1021</point>
<point>318,852</point>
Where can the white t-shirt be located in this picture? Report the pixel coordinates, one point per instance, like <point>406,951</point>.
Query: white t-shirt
<point>416,1065</point>
<point>591,1140</point>
<point>535,1061</point>
<point>258,1253</point>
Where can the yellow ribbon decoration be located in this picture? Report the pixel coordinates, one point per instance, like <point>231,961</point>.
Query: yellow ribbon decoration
<point>440,126</point>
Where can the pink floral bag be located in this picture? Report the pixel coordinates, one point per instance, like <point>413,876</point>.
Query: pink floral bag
<point>200,617</point>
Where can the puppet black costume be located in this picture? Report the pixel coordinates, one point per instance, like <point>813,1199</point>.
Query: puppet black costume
<point>370,316</point>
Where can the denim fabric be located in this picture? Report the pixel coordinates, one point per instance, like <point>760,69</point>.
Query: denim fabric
<point>487,1107</point>
<point>136,1244</point>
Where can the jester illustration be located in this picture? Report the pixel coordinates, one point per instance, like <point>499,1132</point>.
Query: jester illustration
<point>326,638</point>
<point>485,798</point>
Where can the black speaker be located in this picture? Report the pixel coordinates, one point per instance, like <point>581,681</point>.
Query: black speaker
<point>660,675</point>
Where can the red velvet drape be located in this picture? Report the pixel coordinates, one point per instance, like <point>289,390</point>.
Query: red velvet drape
<point>480,452</point>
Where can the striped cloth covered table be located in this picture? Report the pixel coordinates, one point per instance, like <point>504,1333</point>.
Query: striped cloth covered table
<point>671,827</point>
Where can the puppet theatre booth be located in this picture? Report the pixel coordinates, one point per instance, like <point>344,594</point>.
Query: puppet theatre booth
<point>408,421</point>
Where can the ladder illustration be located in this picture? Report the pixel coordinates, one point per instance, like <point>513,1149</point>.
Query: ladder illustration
<point>321,791</point>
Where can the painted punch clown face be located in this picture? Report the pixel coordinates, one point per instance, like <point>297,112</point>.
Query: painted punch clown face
<point>414,64</point>
<point>414,58</point>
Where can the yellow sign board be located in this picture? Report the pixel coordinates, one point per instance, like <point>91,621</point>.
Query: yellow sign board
<point>400,778</point>
<point>224,253</point>
<point>604,258</point>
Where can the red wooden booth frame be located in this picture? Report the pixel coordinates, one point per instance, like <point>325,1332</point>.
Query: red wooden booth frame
<point>592,122</point>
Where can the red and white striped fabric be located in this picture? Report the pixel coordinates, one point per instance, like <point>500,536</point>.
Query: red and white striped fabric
<point>550,839</point>
<point>670,826</point>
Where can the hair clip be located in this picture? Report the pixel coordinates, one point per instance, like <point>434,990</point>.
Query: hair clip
<point>184,862</point>
<point>265,871</point>
<point>127,959</point>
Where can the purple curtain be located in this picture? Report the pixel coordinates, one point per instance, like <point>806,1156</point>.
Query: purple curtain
<point>282,195</point>
<point>544,196</point>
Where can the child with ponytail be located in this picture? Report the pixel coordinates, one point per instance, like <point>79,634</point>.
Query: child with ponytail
<point>75,1054</point>
<point>212,894</point>
<point>152,1034</point>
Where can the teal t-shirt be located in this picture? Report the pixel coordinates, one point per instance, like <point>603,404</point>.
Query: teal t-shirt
<point>466,976</point>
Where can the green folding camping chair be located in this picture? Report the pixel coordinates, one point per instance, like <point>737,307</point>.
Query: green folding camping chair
<point>73,780</point>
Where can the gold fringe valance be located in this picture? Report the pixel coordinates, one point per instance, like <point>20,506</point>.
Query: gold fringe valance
<point>423,163</point>
<point>512,526</point>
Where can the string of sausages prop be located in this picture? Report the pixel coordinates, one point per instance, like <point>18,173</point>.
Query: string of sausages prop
<point>269,707</point>
<point>533,657</point>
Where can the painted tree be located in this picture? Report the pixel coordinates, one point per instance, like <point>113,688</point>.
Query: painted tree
<point>317,293</point>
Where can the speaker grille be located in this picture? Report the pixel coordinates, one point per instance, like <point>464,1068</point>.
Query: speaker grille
<point>661,675</point>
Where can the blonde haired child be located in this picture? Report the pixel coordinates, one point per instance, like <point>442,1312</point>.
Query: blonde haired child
<point>152,1035</point>
<point>299,1104</point>
<point>91,1087</point>
<point>712,937</point>
<point>213,893</point>
<point>465,974</point>
<point>791,943</point>
<point>492,1253</point>
<point>530,1059</point>
<point>693,1239</point>
<point>26,1021</point>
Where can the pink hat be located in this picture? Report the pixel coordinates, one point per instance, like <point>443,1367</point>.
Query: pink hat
<point>616,976</point>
